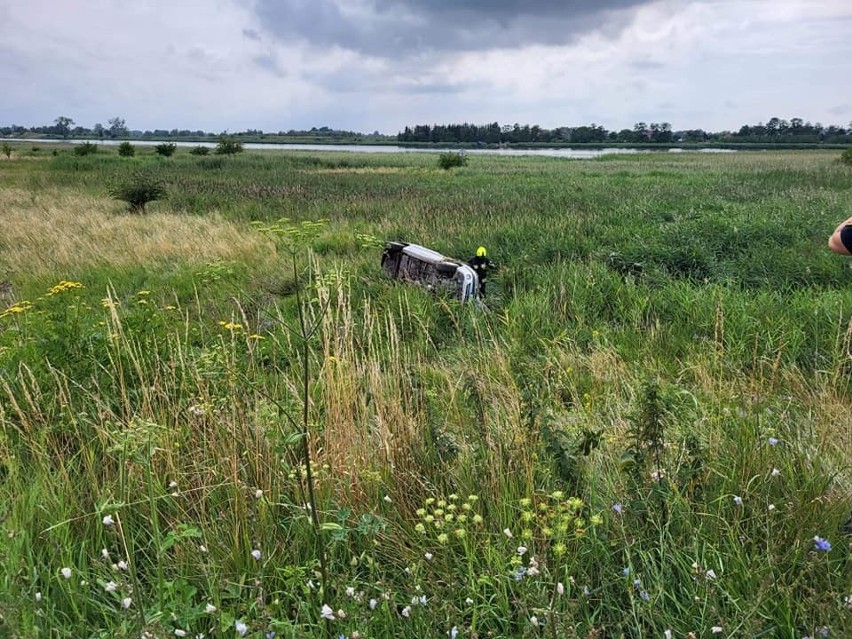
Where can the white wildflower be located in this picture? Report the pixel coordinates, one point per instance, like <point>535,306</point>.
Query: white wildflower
<point>209,608</point>
<point>326,612</point>
<point>241,628</point>
<point>108,520</point>
<point>560,588</point>
<point>508,533</point>
<point>406,612</point>
<point>126,603</point>
<point>66,572</point>
<point>522,550</point>
<point>256,554</point>
<point>111,586</point>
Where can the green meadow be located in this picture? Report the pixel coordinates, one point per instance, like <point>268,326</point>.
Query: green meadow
<point>220,419</point>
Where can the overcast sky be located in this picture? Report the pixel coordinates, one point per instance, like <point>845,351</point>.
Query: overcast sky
<point>370,65</point>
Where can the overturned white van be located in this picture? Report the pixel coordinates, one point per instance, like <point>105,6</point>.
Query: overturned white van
<point>415,263</point>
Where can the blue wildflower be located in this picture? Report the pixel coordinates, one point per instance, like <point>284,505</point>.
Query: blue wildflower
<point>520,572</point>
<point>773,441</point>
<point>821,544</point>
<point>617,508</point>
<point>645,596</point>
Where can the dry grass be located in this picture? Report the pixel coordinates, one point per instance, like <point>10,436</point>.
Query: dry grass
<point>60,231</point>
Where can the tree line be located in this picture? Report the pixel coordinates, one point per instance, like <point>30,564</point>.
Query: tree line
<point>116,128</point>
<point>776,130</point>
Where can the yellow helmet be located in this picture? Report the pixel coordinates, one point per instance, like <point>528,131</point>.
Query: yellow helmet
<point>480,252</point>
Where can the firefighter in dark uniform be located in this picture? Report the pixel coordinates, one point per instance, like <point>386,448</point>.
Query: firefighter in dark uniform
<point>481,264</point>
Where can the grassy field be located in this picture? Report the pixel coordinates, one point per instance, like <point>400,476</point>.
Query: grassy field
<point>220,419</point>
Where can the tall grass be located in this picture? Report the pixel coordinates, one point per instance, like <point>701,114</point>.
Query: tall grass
<point>629,439</point>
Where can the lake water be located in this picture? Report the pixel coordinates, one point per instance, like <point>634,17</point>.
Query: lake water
<point>368,148</point>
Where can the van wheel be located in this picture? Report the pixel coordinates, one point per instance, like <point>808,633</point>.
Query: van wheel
<point>446,268</point>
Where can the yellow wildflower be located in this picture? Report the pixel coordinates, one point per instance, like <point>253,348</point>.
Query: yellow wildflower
<point>63,286</point>
<point>15,309</point>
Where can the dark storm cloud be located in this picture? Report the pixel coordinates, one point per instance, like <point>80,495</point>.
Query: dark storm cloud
<point>393,29</point>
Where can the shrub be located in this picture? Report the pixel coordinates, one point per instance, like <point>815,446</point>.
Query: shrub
<point>448,160</point>
<point>166,149</point>
<point>228,146</point>
<point>7,150</point>
<point>200,150</point>
<point>846,156</point>
<point>139,191</point>
<point>87,148</point>
<point>126,150</point>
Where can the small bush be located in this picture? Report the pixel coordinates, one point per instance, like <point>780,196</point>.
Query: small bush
<point>7,150</point>
<point>448,160</point>
<point>139,191</point>
<point>200,150</point>
<point>846,156</point>
<point>126,150</point>
<point>87,148</point>
<point>166,149</point>
<point>228,146</point>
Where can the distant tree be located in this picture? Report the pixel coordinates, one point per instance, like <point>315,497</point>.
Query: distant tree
<point>126,150</point>
<point>166,149</point>
<point>98,130</point>
<point>117,128</point>
<point>63,125</point>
